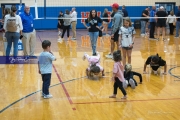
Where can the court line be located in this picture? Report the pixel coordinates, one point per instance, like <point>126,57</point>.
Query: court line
<point>128,101</point>
<point>10,105</point>
<point>60,80</point>
<point>169,71</point>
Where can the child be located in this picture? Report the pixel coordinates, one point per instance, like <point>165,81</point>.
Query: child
<point>127,40</point>
<point>128,75</point>
<point>45,67</point>
<point>118,76</point>
<point>155,62</point>
<point>94,65</point>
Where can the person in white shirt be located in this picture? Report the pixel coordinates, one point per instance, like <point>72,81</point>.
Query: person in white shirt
<point>13,29</point>
<point>73,22</point>
<point>170,20</point>
<point>127,40</point>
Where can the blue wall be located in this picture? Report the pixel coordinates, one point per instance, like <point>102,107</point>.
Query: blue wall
<point>133,11</point>
<point>54,11</point>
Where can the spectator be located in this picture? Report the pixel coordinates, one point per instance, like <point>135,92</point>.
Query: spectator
<point>152,23</point>
<point>116,24</point>
<point>74,22</point>
<point>105,20</point>
<point>66,26</point>
<point>144,21</point>
<point>170,20</point>
<point>60,22</point>
<point>13,28</point>
<point>178,23</point>
<point>161,22</point>
<point>28,32</point>
<point>124,11</point>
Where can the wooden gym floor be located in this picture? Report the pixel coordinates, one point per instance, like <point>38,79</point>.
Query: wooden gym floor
<point>77,98</point>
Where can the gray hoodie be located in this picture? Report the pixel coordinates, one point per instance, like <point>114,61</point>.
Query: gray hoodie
<point>117,21</point>
<point>67,21</point>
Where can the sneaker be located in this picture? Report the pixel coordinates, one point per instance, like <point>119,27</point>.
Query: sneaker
<point>73,38</point>
<point>94,54</point>
<point>125,84</point>
<point>164,39</point>
<point>48,96</point>
<point>109,56</point>
<point>131,82</point>
<point>124,97</point>
<point>155,72</point>
<point>60,40</point>
<point>176,37</point>
<point>142,35</point>
<point>84,56</point>
<point>59,33</point>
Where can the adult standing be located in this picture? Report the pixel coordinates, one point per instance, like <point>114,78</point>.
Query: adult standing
<point>124,11</point>
<point>116,24</point>
<point>170,20</point>
<point>93,20</point>
<point>161,22</point>
<point>66,26</point>
<point>144,21</point>
<point>74,22</point>
<point>152,23</point>
<point>105,20</point>
<point>178,23</point>
<point>13,28</point>
<point>28,32</point>
<point>60,22</point>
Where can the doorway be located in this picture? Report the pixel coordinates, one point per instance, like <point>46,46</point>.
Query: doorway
<point>169,6</point>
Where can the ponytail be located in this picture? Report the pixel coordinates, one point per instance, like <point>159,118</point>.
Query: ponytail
<point>13,10</point>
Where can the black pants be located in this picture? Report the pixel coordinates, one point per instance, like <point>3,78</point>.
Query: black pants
<point>46,78</point>
<point>171,27</point>
<point>119,84</point>
<point>152,29</point>
<point>64,30</point>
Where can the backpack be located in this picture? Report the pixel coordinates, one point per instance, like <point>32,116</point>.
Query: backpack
<point>11,24</point>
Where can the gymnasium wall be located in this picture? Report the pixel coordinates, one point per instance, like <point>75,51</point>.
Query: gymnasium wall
<point>133,7</point>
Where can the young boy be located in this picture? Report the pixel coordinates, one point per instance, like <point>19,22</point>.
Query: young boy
<point>94,65</point>
<point>155,62</point>
<point>45,67</point>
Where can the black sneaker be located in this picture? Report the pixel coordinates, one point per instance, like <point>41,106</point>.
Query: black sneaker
<point>94,54</point>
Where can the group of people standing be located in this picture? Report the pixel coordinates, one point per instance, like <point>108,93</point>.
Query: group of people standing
<point>18,27</point>
<point>65,21</point>
<point>159,23</point>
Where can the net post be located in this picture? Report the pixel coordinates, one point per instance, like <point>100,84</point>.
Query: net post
<point>44,9</point>
<point>36,10</point>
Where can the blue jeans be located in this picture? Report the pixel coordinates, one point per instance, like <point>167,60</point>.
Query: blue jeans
<point>12,37</point>
<point>143,27</point>
<point>177,28</point>
<point>46,78</point>
<point>93,37</point>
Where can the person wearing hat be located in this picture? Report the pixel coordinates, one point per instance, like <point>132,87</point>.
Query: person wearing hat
<point>128,75</point>
<point>117,22</point>
<point>161,22</point>
<point>155,62</point>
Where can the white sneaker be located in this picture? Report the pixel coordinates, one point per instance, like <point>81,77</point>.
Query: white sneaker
<point>155,72</point>
<point>142,35</point>
<point>109,56</point>
<point>42,95</point>
<point>125,84</point>
<point>60,40</point>
<point>59,33</point>
<point>131,82</point>
<point>48,96</point>
<point>73,38</point>
<point>176,36</point>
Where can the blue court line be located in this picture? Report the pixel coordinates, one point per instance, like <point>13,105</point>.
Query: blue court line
<point>169,71</point>
<point>10,105</point>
